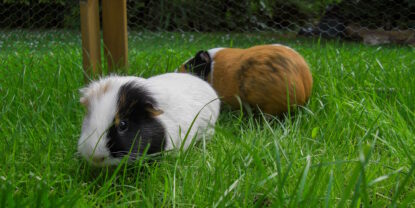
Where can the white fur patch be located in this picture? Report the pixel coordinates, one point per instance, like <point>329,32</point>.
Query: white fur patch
<point>212,52</point>
<point>182,96</point>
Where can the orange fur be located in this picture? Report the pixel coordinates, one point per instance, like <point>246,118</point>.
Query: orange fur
<point>262,76</point>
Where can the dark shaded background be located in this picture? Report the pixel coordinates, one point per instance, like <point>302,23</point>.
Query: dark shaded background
<point>221,15</point>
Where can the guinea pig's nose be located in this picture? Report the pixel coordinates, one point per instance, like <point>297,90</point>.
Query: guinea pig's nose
<point>97,158</point>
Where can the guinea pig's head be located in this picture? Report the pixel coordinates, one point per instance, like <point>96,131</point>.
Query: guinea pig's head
<point>200,65</point>
<point>121,120</point>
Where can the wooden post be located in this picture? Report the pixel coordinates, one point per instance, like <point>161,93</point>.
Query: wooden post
<point>91,49</point>
<point>114,26</point>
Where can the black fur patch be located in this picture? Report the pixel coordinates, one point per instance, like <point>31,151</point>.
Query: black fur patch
<point>281,62</point>
<point>241,73</point>
<point>142,129</point>
<point>200,65</point>
<point>263,70</point>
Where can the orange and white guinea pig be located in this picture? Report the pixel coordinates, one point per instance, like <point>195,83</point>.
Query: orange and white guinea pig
<point>262,76</point>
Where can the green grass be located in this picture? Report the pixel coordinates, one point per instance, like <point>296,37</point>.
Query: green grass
<point>352,146</point>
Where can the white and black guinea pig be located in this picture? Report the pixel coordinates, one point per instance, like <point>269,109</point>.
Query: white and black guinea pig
<point>131,115</point>
<point>263,76</point>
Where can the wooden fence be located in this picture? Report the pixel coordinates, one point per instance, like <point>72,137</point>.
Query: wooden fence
<point>114,32</point>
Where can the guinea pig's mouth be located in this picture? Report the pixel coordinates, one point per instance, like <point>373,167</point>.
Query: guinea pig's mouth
<point>107,161</point>
<point>114,159</point>
<point>121,156</point>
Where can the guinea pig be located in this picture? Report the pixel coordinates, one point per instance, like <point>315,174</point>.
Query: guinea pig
<point>270,77</point>
<point>129,116</point>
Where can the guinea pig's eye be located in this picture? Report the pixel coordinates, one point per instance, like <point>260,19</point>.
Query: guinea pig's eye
<point>123,126</point>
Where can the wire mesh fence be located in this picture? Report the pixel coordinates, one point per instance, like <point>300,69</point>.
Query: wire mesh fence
<point>373,21</point>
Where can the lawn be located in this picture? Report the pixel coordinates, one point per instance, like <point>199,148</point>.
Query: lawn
<point>353,145</point>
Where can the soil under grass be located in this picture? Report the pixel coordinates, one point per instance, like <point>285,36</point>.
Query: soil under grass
<point>352,145</point>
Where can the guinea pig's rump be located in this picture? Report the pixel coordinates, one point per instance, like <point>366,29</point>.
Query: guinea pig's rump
<point>271,79</point>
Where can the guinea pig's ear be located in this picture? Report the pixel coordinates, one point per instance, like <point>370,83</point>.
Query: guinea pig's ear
<point>84,98</point>
<point>153,110</point>
<point>204,56</point>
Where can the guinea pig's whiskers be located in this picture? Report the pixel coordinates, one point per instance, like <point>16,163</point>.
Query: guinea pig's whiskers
<point>99,140</point>
<point>132,155</point>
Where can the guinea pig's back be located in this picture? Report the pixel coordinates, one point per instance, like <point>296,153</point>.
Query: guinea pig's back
<point>300,67</point>
<point>180,87</point>
<point>226,64</point>
<point>268,73</point>
<point>181,96</point>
